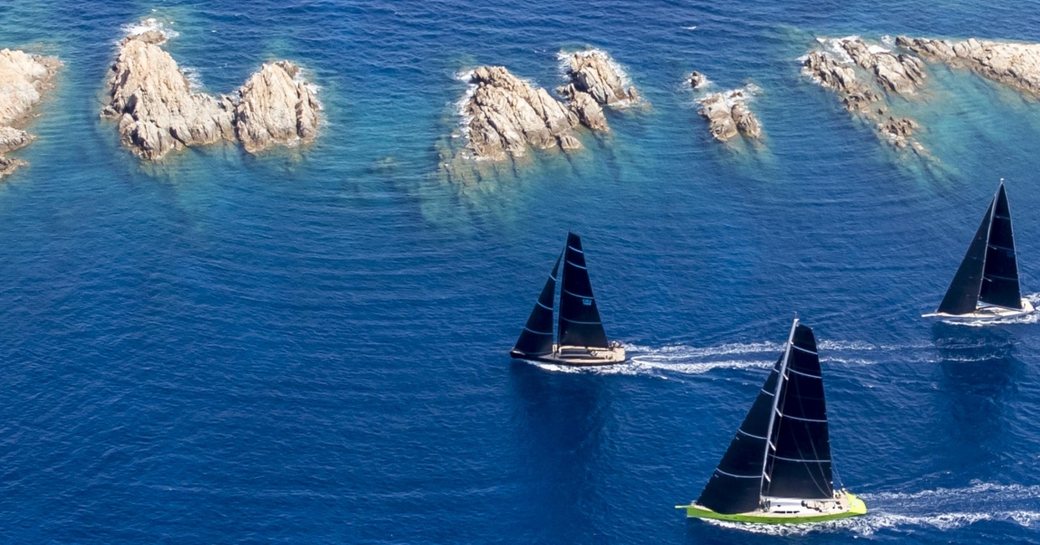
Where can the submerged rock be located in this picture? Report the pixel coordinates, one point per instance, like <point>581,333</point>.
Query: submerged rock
<point>158,112</point>
<point>24,78</point>
<point>1014,64</point>
<point>865,82</point>
<point>594,72</point>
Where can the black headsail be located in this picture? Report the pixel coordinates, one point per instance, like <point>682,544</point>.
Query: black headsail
<point>963,294</point>
<point>579,323</point>
<point>1000,274</point>
<point>798,464</point>
<point>536,339</point>
<point>736,485</point>
<point>794,461</point>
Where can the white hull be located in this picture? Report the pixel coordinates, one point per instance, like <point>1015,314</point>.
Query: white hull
<point>986,313</point>
<point>580,356</point>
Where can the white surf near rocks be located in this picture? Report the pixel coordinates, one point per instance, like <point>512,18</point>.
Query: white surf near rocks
<point>24,80</point>
<point>158,111</point>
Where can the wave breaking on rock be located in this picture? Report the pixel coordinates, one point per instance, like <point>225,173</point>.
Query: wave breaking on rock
<point>157,110</point>
<point>24,79</point>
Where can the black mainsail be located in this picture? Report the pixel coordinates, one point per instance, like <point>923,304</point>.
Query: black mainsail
<point>1000,275</point>
<point>782,449</point>
<point>989,270</point>
<point>536,339</point>
<point>579,321</point>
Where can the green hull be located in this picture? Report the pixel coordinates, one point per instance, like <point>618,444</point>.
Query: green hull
<point>856,508</point>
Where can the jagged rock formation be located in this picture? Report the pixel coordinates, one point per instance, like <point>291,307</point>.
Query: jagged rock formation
<point>867,95</point>
<point>275,107</point>
<point>24,78</point>
<point>152,101</point>
<point>1014,64</point>
<point>158,112</point>
<point>507,116</point>
<point>728,115</point>
<point>595,73</point>
<point>900,73</point>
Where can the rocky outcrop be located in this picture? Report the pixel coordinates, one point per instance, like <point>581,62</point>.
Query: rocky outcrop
<point>507,116</point>
<point>728,115</point>
<point>24,78</point>
<point>157,111</point>
<point>897,73</point>
<point>1014,64</point>
<point>153,102</point>
<point>697,80</point>
<point>866,82</point>
<point>276,107</point>
<point>595,73</point>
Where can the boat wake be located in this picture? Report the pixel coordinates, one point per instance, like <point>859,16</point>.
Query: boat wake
<point>941,509</point>
<point>678,359</point>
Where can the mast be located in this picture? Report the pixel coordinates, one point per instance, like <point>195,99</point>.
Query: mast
<point>772,413</point>
<point>579,323</point>
<point>536,339</point>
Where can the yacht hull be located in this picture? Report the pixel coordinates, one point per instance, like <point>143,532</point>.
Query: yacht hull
<point>986,314</point>
<point>577,356</point>
<point>851,506</point>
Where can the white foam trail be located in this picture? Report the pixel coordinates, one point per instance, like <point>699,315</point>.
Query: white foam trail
<point>1005,492</point>
<point>691,27</point>
<point>679,359</point>
<point>940,509</point>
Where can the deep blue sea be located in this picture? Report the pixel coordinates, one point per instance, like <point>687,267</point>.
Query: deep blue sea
<point>311,346</point>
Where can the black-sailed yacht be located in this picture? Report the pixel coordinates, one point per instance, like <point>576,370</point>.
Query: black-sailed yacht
<point>986,284</point>
<point>576,337</point>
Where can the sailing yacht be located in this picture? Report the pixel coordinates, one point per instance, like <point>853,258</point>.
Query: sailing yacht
<point>579,338</point>
<point>777,469</point>
<point>986,285</point>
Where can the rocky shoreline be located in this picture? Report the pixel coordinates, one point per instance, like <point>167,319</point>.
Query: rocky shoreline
<point>1013,64</point>
<point>24,80</point>
<point>867,77</point>
<point>157,111</point>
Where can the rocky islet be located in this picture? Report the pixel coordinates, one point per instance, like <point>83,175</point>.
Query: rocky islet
<point>24,80</point>
<point>157,111</point>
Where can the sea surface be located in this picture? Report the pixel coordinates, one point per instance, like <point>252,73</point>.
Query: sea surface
<point>311,346</point>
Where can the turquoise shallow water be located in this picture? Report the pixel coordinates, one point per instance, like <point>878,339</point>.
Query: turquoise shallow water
<point>311,347</point>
